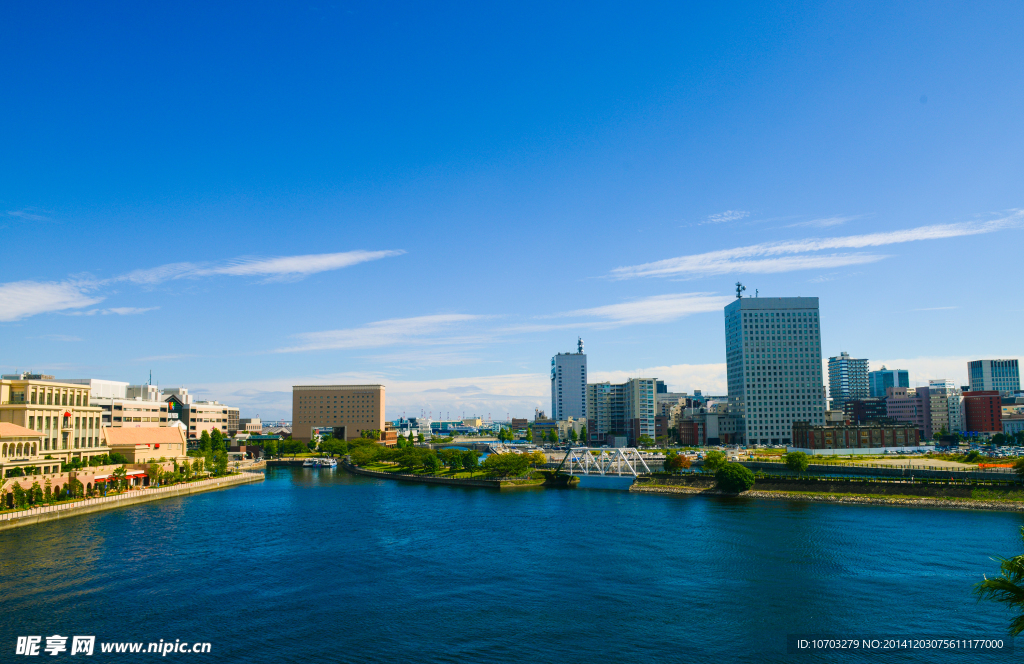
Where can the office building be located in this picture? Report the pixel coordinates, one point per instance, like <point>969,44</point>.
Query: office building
<point>101,389</point>
<point>847,379</point>
<point>911,405</point>
<point>250,424</point>
<point>881,380</point>
<point>773,361</point>
<point>946,406</point>
<point>983,412</point>
<point>625,409</point>
<point>858,411</point>
<point>347,409</point>
<point>195,417</point>
<point>845,438</point>
<point>697,426</point>
<point>1002,376</point>
<point>569,384</point>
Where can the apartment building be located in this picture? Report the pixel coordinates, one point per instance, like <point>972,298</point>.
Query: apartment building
<point>983,411</point>
<point>347,409</point>
<point>911,405</point>
<point>624,408</point>
<point>773,361</point>
<point>946,406</point>
<point>847,379</point>
<point>199,416</point>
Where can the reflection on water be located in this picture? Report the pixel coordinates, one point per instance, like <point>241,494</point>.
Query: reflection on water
<point>318,565</point>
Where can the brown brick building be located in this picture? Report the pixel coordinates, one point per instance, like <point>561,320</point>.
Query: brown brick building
<point>983,412</point>
<point>852,436</point>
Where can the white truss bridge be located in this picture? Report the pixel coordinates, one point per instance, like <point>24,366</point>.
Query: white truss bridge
<point>604,461</point>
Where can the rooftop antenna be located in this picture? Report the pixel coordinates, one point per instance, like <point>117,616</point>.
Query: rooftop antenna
<point>579,345</point>
<point>739,290</point>
<point>755,292</point>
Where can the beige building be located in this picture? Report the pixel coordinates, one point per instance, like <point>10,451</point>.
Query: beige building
<point>61,413</point>
<point>348,409</point>
<point>146,445</point>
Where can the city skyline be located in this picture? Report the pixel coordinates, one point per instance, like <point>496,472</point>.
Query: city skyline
<point>442,220</point>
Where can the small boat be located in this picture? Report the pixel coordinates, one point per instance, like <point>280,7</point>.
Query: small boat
<point>329,462</point>
<point>309,463</point>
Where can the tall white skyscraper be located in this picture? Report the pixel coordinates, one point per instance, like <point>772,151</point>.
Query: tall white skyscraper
<point>569,384</point>
<point>773,359</point>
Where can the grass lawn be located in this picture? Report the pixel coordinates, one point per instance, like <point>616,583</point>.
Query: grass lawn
<point>387,467</point>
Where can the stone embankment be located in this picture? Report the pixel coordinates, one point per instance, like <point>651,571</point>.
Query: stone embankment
<point>902,501</point>
<point>88,506</point>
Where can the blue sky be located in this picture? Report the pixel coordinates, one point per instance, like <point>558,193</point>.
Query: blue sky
<point>243,197</point>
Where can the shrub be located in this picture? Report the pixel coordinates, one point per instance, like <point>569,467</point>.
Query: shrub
<point>797,461</point>
<point>734,478</point>
<point>714,461</point>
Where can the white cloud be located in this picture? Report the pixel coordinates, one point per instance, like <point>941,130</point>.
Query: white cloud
<point>657,308</point>
<point>728,215</point>
<point>772,257</point>
<point>20,299</point>
<point>826,222</point>
<point>280,267</point>
<point>381,333</point>
<point>29,214</point>
<point>709,378</point>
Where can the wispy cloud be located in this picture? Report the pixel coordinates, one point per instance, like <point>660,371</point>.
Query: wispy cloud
<point>28,298</point>
<point>825,222</point>
<point>283,267</point>
<point>28,214</point>
<point>656,308</point>
<point>382,333</point>
<point>21,299</point>
<point>728,215</point>
<point>770,257</point>
<point>116,311</point>
<point>60,337</point>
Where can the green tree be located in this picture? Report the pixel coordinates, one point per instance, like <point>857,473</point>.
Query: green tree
<point>529,435</point>
<point>573,436</point>
<point>36,493</point>
<point>583,434</point>
<point>455,464</point>
<point>270,448</point>
<point>796,461</point>
<point>117,458</point>
<point>714,460</point>
<point>20,497</point>
<point>734,478</point>
<point>675,462</point>
<point>220,462</point>
<point>217,441</point>
<point>1018,467</point>
<point>401,440</point>
<point>363,455</point>
<point>506,465</point>
<point>154,471</point>
<point>645,441</point>
<point>204,441</point>
<point>419,437</point>
<point>120,477</point>
<point>972,456</point>
<point>1007,588</point>
<point>431,462</point>
<point>470,460</point>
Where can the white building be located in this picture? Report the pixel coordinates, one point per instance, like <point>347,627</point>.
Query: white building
<point>773,360</point>
<point>104,389</point>
<point>847,379</point>
<point>569,384</point>
<point>625,408</point>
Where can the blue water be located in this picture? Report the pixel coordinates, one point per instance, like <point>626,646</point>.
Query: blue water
<point>318,565</point>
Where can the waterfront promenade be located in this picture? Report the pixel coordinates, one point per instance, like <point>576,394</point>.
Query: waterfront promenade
<point>46,513</point>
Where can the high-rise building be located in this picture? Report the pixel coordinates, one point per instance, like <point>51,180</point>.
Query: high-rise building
<point>859,411</point>
<point>847,379</point>
<point>348,409</point>
<point>881,380</point>
<point>624,409</point>
<point>987,375</point>
<point>773,360</point>
<point>569,384</point>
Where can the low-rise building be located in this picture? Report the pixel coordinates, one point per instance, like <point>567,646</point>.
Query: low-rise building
<point>863,410</point>
<point>140,446</point>
<point>250,424</point>
<point>845,438</point>
<point>697,426</point>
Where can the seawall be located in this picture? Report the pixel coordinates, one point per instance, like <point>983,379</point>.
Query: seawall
<point>88,506</point>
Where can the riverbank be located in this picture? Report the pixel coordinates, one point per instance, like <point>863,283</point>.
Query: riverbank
<point>947,502</point>
<point>88,506</point>
<point>550,479</point>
